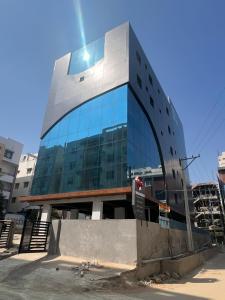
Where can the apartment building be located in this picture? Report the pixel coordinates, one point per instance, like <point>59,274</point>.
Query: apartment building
<point>10,152</point>
<point>23,181</point>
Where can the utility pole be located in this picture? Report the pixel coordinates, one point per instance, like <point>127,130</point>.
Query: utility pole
<point>186,203</point>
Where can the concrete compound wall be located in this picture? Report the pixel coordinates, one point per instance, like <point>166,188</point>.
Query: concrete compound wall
<point>103,240</point>
<point>118,241</point>
<point>186,264</point>
<point>156,242</point>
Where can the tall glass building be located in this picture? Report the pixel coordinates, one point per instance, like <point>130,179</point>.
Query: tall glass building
<point>107,121</point>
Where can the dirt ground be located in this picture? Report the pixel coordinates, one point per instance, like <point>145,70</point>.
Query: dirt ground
<point>35,276</point>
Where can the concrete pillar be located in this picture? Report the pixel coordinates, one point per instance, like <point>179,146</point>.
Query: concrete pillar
<point>119,212</point>
<point>46,213</point>
<point>74,213</point>
<point>97,210</point>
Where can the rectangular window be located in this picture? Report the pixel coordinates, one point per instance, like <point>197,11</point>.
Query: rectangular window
<point>26,184</point>
<point>110,175</point>
<point>139,82</point>
<point>152,102</point>
<point>70,180</point>
<point>17,186</point>
<point>8,154</point>
<point>13,199</point>
<point>72,165</point>
<point>110,157</point>
<point>29,170</point>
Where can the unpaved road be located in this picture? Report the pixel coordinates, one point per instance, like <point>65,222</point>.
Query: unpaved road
<point>38,280</point>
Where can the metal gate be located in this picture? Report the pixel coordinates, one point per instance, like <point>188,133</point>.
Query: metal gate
<point>5,233</point>
<point>34,237</point>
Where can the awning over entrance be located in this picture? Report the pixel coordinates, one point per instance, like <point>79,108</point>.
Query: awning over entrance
<point>74,195</point>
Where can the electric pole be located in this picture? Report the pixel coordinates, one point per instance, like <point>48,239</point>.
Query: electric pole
<point>186,203</point>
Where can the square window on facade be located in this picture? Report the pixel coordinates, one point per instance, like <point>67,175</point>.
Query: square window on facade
<point>17,186</point>
<point>150,79</point>
<point>81,78</point>
<point>26,184</point>
<point>8,154</point>
<point>174,174</point>
<point>13,199</point>
<point>139,81</point>
<point>138,56</point>
<point>152,102</point>
<point>167,111</point>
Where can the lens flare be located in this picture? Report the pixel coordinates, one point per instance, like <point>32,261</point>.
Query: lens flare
<point>78,13</point>
<point>86,56</point>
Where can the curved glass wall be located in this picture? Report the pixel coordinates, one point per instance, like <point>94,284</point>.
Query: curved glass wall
<point>100,144</point>
<point>86,57</point>
<point>87,149</point>
<point>143,154</point>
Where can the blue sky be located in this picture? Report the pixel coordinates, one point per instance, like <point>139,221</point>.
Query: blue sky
<point>184,41</point>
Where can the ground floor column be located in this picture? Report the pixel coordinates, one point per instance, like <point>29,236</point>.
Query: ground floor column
<point>46,213</point>
<point>97,210</point>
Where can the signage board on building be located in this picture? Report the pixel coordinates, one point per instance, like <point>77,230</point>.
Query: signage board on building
<point>138,198</point>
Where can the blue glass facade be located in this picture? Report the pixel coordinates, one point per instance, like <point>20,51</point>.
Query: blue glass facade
<point>96,146</point>
<point>86,57</point>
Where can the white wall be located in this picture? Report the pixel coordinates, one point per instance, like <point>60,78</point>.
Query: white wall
<point>27,161</point>
<point>8,166</point>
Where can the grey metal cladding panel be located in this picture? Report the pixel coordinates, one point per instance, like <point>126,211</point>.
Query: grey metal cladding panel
<point>160,121</point>
<point>67,92</point>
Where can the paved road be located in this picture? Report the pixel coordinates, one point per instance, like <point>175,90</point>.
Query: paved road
<point>20,280</point>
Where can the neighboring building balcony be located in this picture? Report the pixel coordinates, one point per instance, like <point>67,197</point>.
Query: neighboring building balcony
<point>214,209</point>
<point>6,177</point>
<point>6,194</point>
<point>205,197</point>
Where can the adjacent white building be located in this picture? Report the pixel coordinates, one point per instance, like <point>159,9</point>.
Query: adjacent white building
<point>10,152</point>
<point>221,160</point>
<point>23,181</point>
